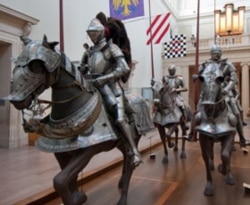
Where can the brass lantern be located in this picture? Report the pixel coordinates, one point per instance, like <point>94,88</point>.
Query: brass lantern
<point>230,21</point>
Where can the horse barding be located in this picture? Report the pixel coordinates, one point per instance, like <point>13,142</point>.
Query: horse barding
<point>167,115</point>
<point>78,126</point>
<point>215,122</point>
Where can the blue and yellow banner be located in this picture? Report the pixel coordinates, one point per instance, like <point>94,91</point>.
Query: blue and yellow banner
<point>126,9</point>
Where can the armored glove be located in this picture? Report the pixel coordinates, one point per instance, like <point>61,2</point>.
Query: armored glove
<point>100,81</point>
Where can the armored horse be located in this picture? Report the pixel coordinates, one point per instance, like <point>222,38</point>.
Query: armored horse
<point>166,114</point>
<point>77,126</point>
<point>214,122</point>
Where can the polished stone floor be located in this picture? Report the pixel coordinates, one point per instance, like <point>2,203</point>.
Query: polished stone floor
<point>27,172</point>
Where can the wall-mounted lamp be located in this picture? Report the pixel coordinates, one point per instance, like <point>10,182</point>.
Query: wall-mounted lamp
<point>230,21</point>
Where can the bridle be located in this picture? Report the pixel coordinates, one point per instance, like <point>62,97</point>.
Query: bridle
<point>37,110</point>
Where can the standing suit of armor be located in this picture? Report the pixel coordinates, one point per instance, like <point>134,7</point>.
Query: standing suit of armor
<point>107,62</point>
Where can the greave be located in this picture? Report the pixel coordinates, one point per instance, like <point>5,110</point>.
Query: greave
<point>241,133</point>
<point>128,135</point>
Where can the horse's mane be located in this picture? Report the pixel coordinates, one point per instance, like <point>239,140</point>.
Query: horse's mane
<point>115,30</point>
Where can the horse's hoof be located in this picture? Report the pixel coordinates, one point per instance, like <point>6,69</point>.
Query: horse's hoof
<point>79,197</point>
<point>165,160</point>
<point>220,169</point>
<point>230,179</point>
<point>208,192</point>
<point>122,202</point>
<point>170,145</point>
<point>209,189</point>
<point>183,156</point>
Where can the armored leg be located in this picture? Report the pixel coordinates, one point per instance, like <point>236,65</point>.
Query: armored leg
<point>241,113</point>
<point>239,123</point>
<point>241,134</point>
<point>241,116</point>
<point>125,128</point>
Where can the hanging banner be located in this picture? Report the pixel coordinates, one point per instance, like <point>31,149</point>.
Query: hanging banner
<point>176,47</point>
<point>126,9</point>
<point>158,28</point>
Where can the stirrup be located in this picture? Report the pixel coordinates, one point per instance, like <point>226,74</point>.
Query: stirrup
<point>189,137</point>
<point>137,160</point>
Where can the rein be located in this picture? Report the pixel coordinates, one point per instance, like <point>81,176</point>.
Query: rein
<point>36,108</point>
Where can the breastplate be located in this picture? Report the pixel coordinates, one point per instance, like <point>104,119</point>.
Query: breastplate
<point>172,83</point>
<point>98,63</point>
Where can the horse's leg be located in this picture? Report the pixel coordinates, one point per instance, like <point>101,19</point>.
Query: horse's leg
<point>127,172</point>
<point>176,139</point>
<point>171,130</point>
<point>63,159</point>
<point>225,167</point>
<point>162,133</point>
<point>183,141</point>
<point>63,180</point>
<point>211,155</point>
<point>124,168</point>
<point>233,147</point>
<point>125,150</point>
<point>205,145</point>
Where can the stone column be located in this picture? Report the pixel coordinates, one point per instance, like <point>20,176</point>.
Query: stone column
<point>245,87</point>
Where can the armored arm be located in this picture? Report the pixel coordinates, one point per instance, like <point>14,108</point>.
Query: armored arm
<point>120,69</point>
<point>230,72</point>
<point>181,87</point>
<point>84,63</point>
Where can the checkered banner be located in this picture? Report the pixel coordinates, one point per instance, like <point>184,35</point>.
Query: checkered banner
<point>176,47</point>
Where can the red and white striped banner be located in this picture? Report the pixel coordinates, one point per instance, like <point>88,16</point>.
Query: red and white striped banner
<point>158,28</point>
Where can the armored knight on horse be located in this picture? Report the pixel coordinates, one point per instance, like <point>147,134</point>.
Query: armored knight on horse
<point>168,113</point>
<point>107,65</point>
<point>78,126</point>
<point>217,118</point>
<point>230,89</point>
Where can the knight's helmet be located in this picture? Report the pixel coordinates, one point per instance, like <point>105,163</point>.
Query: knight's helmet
<point>95,30</point>
<point>171,69</point>
<point>216,50</point>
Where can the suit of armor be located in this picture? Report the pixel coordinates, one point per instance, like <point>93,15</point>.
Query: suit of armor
<point>229,86</point>
<point>107,62</point>
<point>177,85</point>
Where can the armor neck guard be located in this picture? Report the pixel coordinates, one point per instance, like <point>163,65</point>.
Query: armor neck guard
<point>172,76</point>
